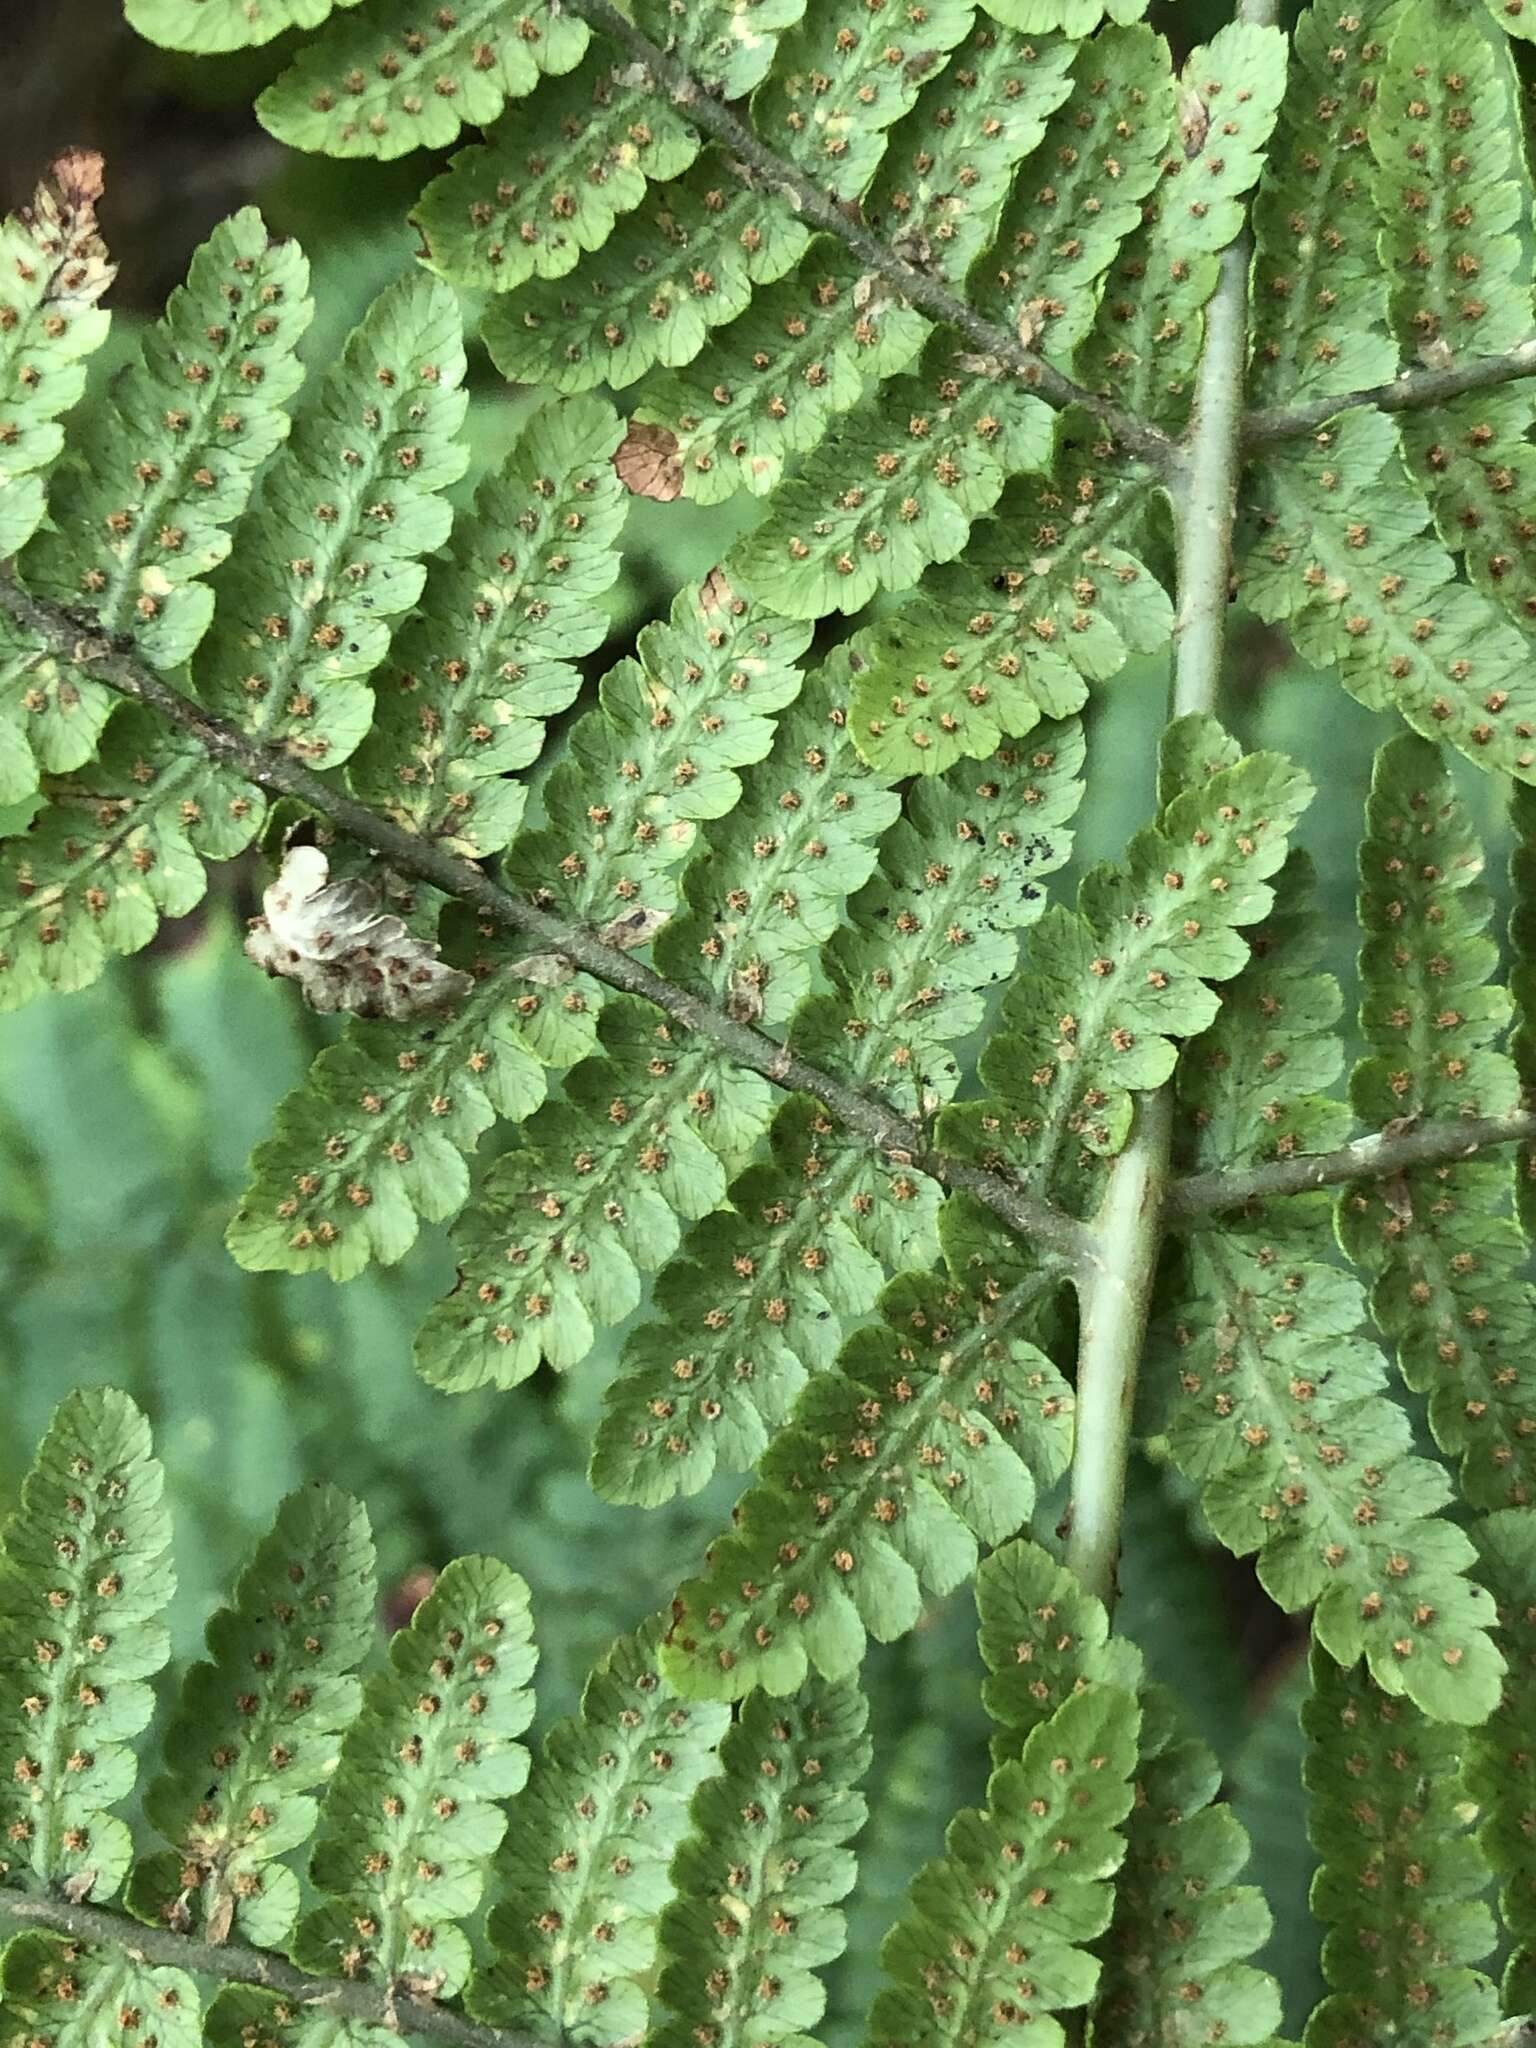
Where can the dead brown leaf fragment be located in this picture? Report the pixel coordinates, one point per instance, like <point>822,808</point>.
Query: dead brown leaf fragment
<point>63,226</point>
<point>648,463</point>
<point>343,950</point>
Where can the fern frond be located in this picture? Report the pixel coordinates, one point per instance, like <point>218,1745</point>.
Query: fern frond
<point>994,1939</point>
<point>1335,545</point>
<point>410,1821</point>
<point>553,1248</point>
<point>759,1879</point>
<point>840,79</point>
<point>1071,17</point>
<point>258,1728</point>
<point>1446,122</point>
<point>683,263</point>
<point>1451,1290</point>
<point>1080,194</point>
<point>1319,297</point>
<point>205,27</point>
<point>728,43</point>
<point>165,463</point>
<point>1151,322</point>
<point>898,488</point>
<point>930,1436</point>
<point>584,1867</point>
<point>1499,1769</point>
<point>772,384</point>
<point>949,164</point>
<point>56,268</point>
<point>757,1300</point>
<point>348,513</point>
<point>161,468</point>
<point>1277,1407</point>
<point>1522,981</point>
<point>1182,1931</point>
<point>59,1994</point>
<point>532,198</point>
<point>1400,1875</point>
<point>389,79</point>
<point>84,1576</point>
<point>1110,986</point>
<point>1051,595</point>
<point>504,618</point>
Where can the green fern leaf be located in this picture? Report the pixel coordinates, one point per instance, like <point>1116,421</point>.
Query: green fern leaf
<point>1081,192</point>
<point>841,78</point>
<point>1071,17</point>
<point>503,621</point>
<point>347,513</point>
<point>167,461</point>
<point>1147,341</point>
<point>1398,1888</point>
<point>1050,596</point>
<point>759,1878</point>
<point>56,268</point>
<point>757,1299</point>
<point>205,27</point>
<point>1043,1637</point>
<point>1446,117</point>
<point>84,1576</point>
<point>1109,987</point>
<point>1335,546</point>
<point>57,1994</point>
<point>684,262</point>
<point>996,1929</point>
<point>950,163</point>
<point>1183,1929</point>
<point>540,192</point>
<point>727,43</point>
<point>931,1435</point>
<point>1498,1767</point>
<point>1319,297</point>
<point>1522,981</point>
<point>1450,1260</point>
<point>258,1727</point>
<point>897,488</point>
<point>388,80</point>
<point>564,1225</point>
<point>164,465</point>
<point>1276,1405</point>
<point>584,1869</point>
<point>658,755</point>
<point>410,1821</point>
<point>774,382</point>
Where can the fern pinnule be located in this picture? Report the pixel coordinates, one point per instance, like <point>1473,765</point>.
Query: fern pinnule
<point>384,80</point>
<point>1273,1399</point>
<point>513,207</point>
<point>1401,1873</point>
<point>84,1576</point>
<point>411,1820</point>
<point>56,268</point>
<point>1451,1290</point>
<point>759,1878</point>
<point>583,1868</point>
<point>932,1434</point>
<point>258,1727</point>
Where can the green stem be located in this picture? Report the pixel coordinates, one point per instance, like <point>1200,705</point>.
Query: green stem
<point>1115,1294</point>
<point>77,638</point>
<point>230,1963</point>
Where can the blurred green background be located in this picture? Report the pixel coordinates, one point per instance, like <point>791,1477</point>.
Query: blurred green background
<point>126,1115</point>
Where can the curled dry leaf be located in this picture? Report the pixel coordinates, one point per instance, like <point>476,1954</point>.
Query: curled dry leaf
<point>1194,122</point>
<point>634,929</point>
<point>342,949</point>
<point>648,463</point>
<point>544,970</point>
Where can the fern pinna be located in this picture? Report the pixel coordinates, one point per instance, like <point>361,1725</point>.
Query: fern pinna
<point>1020,340</point>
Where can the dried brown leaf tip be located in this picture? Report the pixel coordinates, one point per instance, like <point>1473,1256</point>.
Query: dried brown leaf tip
<point>342,949</point>
<point>648,463</point>
<point>62,221</point>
